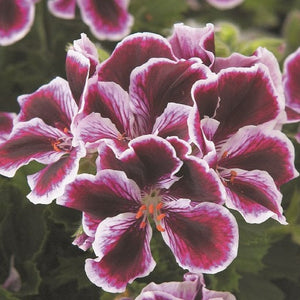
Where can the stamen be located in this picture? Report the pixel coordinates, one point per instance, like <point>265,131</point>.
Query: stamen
<point>159,206</point>
<point>224,155</point>
<point>160,217</point>
<point>55,146</point>
<point>159,228</point>
<point>139,214</point>
<point>66,130</point>
<point>233,175</point>
<point>151,209</point>
<point>121,137</point>
<point>143,224</point>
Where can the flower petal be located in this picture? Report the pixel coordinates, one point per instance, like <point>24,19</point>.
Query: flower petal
<point>53,103</point>
<point>224,4</point>
<point>50,182</point>
<point>203,238</point>
<point>107,19</point>
<point>252,100</point>
<point>107,194</point>
<point>254,194</point>
<point>123,251</point>
<point>16,19</point>
<point>254,147</point>
<point>28,141</point>
<point>173,121</point>
<point>160,81</point>
<point>150,161</point>
<point>291,84</point>
<point>62,8</point>
<point>141,46</point>
<point>77,71</point>
<point>188,42</point>
<point>6,125</point>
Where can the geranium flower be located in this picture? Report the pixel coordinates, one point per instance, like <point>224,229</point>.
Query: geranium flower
<point>238,120</point>
<point>291,73</point>
<point>43,132</point>
<point>139,185</point>
<point>107,19</point>
<point>16,19</point>
<point>192,287</point>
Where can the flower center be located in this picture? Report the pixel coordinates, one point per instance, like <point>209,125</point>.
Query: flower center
<point>151,206</point>
<point>63,143</point>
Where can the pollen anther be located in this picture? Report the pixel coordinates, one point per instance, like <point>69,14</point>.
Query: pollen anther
<point>160,217</point>
<point>159,228</point>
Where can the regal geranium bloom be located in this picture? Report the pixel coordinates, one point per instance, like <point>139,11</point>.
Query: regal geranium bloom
<point>158,101</point>
<point>224,4</point>
<point>291,73</point>
<point>201,233</point>
<point>16,19</point>
<point>107,19</point>
<point>43,132</point>
<point>192,287</point>
<point>6,125</point>
<point>236,119</point>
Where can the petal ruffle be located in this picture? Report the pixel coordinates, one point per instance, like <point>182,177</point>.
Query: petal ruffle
<point>142,47</point>
<point>188,42</point>
<point>203,238</point>
<point>16,19</point>
<point>62,8</point>
<point>50,182</point>
<point>107,194</point>
<point>32,140</point>
<point>150,161</point>
<point>108,20</point>
<point>254,148</point>
<point>254,194</point>
<point>123,251</point>
<point>53,103</point>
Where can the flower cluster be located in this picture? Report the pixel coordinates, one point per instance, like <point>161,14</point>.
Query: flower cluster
<point>178,136</point>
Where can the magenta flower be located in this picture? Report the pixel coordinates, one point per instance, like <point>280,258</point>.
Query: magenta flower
<point>237,119</point>
<point>107,19</point>
<point>16,19</point>
<point>43,132</point>
<point>291,74</point>
<point>142,184</point>
<point>192,287</point>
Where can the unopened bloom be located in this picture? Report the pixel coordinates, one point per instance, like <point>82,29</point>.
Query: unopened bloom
<point>142,184</point>
<point>107,19</point>
<point>191,288</point>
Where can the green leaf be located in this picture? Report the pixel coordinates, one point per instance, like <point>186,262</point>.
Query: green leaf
<point>6,295</point>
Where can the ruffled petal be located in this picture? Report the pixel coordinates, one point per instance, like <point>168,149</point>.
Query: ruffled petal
<point>123,251</point>
<point>107,194</point>
<point>53,103</point>
<point>62,8</point>
<point>254,148</point>
<point>188,42</point>
<point>291,85</point>
<point>173,121</point>
<point>160,81</point>
<point>77,71</point>
<point>203,238</point>
<point>252,100</point>
<point>50,182</point>
<point>254,194</point>
<point>224,4</point>
<point>107,19</point>
<point>150,161</point>
<point>157,295</point>
<point>16,19</point>
<point>142,47</point>
<point>6,125</point>
<point>112,102</point>
<point>32,140</point>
